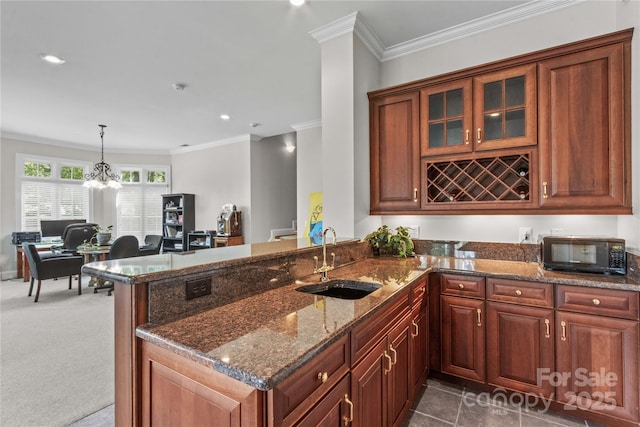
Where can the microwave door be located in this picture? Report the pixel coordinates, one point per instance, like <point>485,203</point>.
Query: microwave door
<point>574,254</point>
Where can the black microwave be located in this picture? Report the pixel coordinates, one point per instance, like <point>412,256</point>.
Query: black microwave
<point>584,254</point>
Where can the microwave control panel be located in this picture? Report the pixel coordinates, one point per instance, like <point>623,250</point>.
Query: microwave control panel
<point>617,258</point>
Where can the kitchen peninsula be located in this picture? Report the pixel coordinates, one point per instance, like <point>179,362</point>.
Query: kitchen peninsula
<point>253,350</point>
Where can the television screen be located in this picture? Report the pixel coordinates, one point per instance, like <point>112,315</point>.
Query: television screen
<point>55,227</point>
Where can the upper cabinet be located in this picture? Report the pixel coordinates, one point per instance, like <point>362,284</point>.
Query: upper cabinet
<point>584,160</point>
<point>546,132</point>
<point>504,108</point>
<point>491,111</point>
<point>395,153</point>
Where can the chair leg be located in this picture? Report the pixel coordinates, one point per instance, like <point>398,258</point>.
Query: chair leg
<point>38,290</point>
<point>31,287</point>
<point>70,277</point>
<point>79,284</point>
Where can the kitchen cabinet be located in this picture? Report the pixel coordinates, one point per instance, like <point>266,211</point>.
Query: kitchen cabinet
<point>511,136</point>
<point>584,126</point>
<point>305,389</point>
<point>462,326</point>
<point>196,393</point>
<point>395,153</point>
<point>334,410</point>
<point>490,111</point>
<point>381,385</point>
<point>597,351</point>
<point>178,211</point>
<point>419,336</point>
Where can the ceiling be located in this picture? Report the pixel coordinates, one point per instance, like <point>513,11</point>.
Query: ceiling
<point>253,60</point>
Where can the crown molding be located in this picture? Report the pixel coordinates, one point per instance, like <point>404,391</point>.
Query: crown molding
<point>306,125</point>
<point>353,23</point>
<point>74,146</point>
<point>241,138</point>
<point>509,16</point>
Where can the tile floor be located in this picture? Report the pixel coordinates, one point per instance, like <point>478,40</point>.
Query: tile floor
<point>440,404</point>
<point>446,404</point>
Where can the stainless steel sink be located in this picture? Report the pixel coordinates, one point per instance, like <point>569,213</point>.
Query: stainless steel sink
<point>340,288</point>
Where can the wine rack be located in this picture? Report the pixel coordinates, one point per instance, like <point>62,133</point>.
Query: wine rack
<point>489,179</point>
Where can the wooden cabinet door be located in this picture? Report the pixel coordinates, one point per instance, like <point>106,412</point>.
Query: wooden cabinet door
<point>395,153</point>
<point>334,410</point>
<point>369,387</point>
<point>399,395</point>
<point>599,358</point>
<point>504,108</point>
<point>445,118</point>
<point>519,345</point>
<point>419,348</point>
<point>584,144</point>
<point>463,337</point>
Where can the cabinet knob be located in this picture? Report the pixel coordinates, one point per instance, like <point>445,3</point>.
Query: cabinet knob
<point>460,285</point>
<point>323,377</point>
<point>518,292</point>
<point>596,301</point>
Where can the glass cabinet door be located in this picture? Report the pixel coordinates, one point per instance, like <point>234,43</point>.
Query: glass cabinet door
<point>446,118</point>
<point>505,109</point>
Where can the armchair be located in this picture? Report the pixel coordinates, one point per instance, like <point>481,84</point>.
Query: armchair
<point>152,244</point>
<point>49,268</point>
<point>122,247</point>
<point>73,236</point>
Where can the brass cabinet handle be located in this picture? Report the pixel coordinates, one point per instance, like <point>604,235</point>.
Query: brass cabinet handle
<point>466,136</point>
<point>563,337</point>
<point>460,285</point>
<point>323,376</point>
<point>518,292</point>
<point>548,328</point>
<point>386,371</point>
<point>479,135</point>
<point>415,195</point>
<point>349,419</point>
<point>415,325</point>
<point>479,313</point>
<point>395,354</point>
<point>545,193</point>
<point>595,301</point>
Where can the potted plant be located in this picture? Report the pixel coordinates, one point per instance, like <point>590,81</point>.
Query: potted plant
<point>103,234</point>
<point>397,243</point>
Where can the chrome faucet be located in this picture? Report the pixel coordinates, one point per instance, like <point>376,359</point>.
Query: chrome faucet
<point>325,267</point>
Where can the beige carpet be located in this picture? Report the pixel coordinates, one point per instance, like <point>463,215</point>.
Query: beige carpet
<point>56,355</point>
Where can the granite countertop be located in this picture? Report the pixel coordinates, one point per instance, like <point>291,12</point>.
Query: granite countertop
<point>162,266</point>
<point>262,339</point>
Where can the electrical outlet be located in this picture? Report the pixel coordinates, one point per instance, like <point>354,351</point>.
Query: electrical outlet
<point>197,288</point>
<point>414,231</point>
<point>525,235</point>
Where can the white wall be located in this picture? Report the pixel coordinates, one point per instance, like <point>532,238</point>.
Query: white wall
<point>104,212</point>
<point>216,175</point>
<point>309,171</point>
<point>273,185</point>
<point>579,21</point>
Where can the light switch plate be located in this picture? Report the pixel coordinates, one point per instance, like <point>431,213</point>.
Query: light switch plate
<point>414,231</point>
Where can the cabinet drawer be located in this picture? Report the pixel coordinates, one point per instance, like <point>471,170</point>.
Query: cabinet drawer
<point>468,286</point>
<point>366,335</point>
<point>419,293</point>
<point>605,302</point>
<point>520,292</point>
<point>310,382</point>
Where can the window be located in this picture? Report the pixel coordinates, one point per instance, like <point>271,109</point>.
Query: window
<point>139,201</point>
<point>51,189</point>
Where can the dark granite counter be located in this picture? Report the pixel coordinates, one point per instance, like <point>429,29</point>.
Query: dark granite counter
<point>263,338</point>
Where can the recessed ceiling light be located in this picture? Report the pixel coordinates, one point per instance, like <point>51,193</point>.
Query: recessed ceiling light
<point>297,2</point>
<point>225,116</point>
<point>52,59</point>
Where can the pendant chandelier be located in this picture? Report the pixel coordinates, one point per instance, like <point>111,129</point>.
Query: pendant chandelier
<point>102,177</point>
